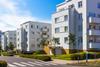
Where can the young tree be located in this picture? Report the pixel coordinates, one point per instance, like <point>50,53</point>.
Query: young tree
<point>11,46</point>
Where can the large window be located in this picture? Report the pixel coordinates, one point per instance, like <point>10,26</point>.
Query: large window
<point>80,4</point>
<point>91,14</point>
<point>57,40</point>
<point>80,16</point>
<point>31,26</point>
<point>65,28</point>
<point>98,5</point>
<point>71,6</point>
<point>65,40</point>
<point>57,30</point>
<point>56,19</point>
<point>66,17</point>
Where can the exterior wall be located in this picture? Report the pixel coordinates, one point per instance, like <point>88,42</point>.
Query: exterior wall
<point>7,37</point>
<point>3,41</point>
<point>31,35</point>
<point>77,26</point>
<point>93,20</point>
<point>73,23</point>
<point>0,36</point>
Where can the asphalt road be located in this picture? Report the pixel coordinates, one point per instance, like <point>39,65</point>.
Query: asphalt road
<point>24,62</point>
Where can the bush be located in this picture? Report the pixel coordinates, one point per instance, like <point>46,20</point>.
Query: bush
<point>39,57</point>
<point>10,53</point>
<point>39,52</point>
<point>76,56</point>
<point>3,64</point>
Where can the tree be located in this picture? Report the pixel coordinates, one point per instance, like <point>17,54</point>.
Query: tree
<point>11,46</point>
<point>72,40</point>
<point>44,42</point>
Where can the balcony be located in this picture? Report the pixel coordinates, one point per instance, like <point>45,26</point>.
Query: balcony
<point>94,32</point>
<point>94,45</point>
<point>94,20</point>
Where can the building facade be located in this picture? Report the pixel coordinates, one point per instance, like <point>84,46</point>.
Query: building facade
<point>78,17</point>
<point>7,38</point>
<point>30,34</point>
<point>0,36</point>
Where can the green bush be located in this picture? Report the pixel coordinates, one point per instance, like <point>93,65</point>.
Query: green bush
<point>76,56</point>
<point>39,52</point>
<point>39,57</point>
<point>3,64</point>
<point>8,53</point>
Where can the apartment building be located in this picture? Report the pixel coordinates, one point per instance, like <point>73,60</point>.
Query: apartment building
<point>30,34</point>
<point>0,36</point>
<point>7,38</point>
<point>78,17</point>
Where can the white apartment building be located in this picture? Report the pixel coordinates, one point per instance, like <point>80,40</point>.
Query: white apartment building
<point>7,38</point>
<point>0,36</point>
<point>30,34</point>
<point>81,18</point>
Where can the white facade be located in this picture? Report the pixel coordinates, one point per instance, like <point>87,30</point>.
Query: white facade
<point>76,16</point>
<point>30,34</point>
<point>7,38</point>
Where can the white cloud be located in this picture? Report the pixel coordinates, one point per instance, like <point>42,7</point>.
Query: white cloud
<point>12,14</point>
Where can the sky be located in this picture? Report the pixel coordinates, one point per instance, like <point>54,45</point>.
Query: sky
<point>15,12</point>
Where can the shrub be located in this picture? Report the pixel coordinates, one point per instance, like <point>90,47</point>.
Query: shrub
<point>3,64</point>
<point>76,56</point>
<point>39,52</point>
<point>39,57</point>
<point>8,53</point>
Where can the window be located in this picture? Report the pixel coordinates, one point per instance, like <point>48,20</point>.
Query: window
<point>44,33</point>
<point>65,17</point>
<point>57,40</point>
<point>98,15</point>
<point>56,19</point>
<point>33,33</point>
<point>11,38</point>
<point>80,16</point>
<point>71,6</point>
<point>79,28</point>
<point>31,26</point>
<point>65,39</point>
<point>26,26</point>
<point>45,27</point>
<point>38,39</point>
<point>80,4</point>
<point>98,5</point>
<point>37,27</point>
<point>65,28</point>
<point>61,9</point>
<point>68,0</point>
<point>80,39</point>
<point>92,14</point>
<point>57,30</point>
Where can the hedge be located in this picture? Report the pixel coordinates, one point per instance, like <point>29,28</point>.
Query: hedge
<point>3,64</point>
<point>76,56</point>
<point>7,53</point>
<point>39,57</point>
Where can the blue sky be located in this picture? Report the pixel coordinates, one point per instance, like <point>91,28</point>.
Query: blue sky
<point>15,12</point>
<point>43,8</point>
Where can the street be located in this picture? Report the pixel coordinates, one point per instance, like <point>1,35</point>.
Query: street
<point>25,62</point>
